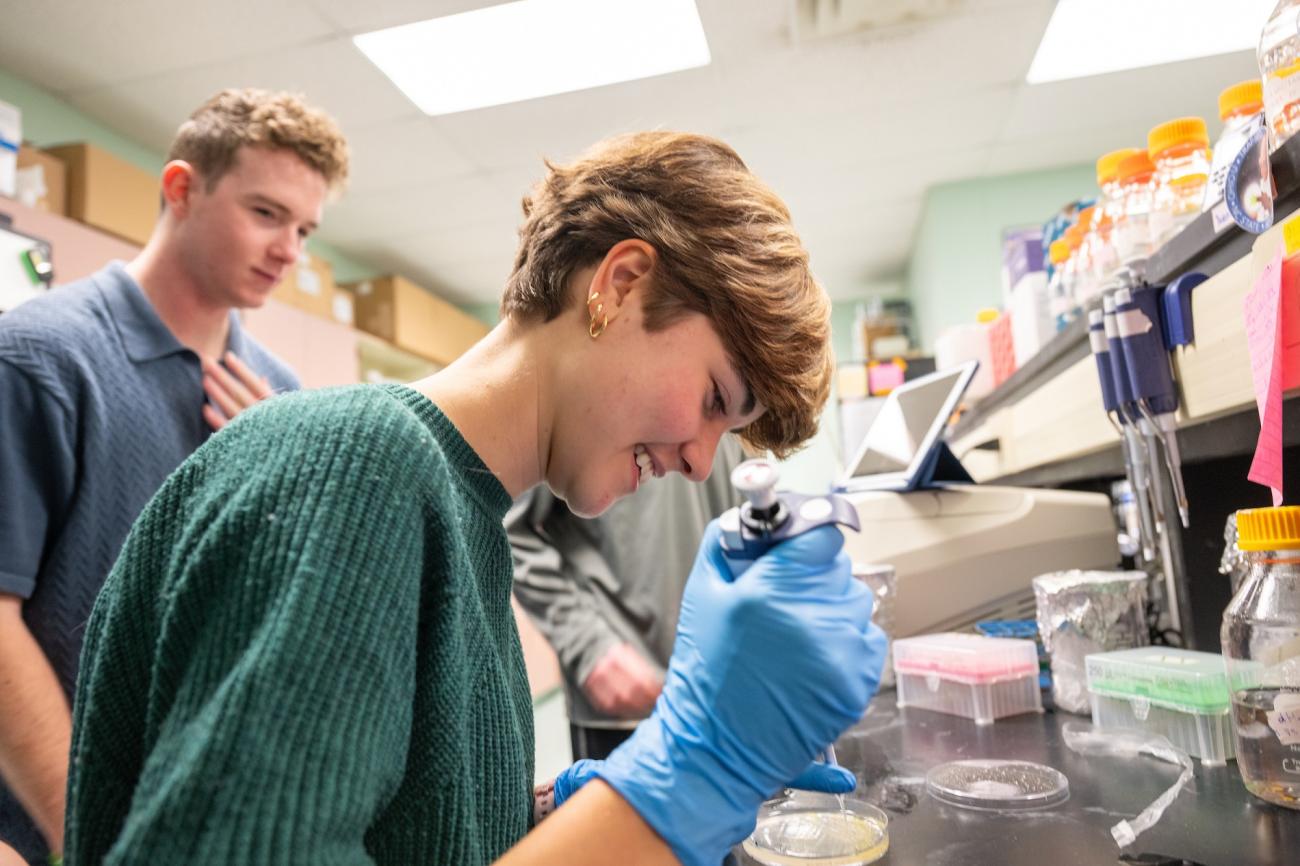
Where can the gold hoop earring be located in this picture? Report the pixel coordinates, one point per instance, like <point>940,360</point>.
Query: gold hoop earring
<point>591,327</point>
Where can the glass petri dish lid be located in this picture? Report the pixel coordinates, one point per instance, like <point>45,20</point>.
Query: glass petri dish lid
<point>997,785</point>
<point>810,829</point>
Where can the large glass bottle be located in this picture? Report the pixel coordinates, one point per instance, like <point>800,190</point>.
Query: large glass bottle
<point>1279,63</point>
<point>1105,258</point>
<point>1132,232</point>
<point>1261,646</point>
<point>1180,150</point>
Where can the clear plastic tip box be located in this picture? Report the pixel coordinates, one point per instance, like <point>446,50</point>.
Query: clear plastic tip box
<point>1179,694</point>
<point>981,678</point>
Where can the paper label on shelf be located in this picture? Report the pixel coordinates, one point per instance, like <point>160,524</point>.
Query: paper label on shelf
<point>342,308</point>
<point>1264,341</point>
<point>1284,718</point>
<point>1220,217</point>
<point>308,281</point>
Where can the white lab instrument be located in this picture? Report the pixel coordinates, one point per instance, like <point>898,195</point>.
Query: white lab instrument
<point>962,552</point>
<point>965,553</point>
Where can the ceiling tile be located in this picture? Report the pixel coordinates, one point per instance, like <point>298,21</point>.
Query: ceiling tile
<point>561,127</point>
<point>353,17</point>
<point>1137,99</point>
<point>442,205</point>
<point>403,153</point>
<point>492,240</point>
<point>925,65</point>
<point>333,75</point>
<point>64,45</point>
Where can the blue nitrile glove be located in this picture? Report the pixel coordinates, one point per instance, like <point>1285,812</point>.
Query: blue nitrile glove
<point>826,778</point>
<point>769,669</point>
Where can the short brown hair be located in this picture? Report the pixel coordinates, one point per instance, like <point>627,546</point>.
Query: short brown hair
<point>725,248</point>
<point>210,140</point>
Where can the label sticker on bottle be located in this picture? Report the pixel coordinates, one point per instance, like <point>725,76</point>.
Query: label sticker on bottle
<point>1284,718</point>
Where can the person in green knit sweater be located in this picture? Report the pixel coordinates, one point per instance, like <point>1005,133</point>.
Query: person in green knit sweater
<point>306,651</point>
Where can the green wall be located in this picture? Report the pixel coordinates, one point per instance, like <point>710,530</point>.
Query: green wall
<point>956,264</point>
<point>48,120</point>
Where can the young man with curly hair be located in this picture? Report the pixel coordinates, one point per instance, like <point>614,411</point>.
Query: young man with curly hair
<point>109,383</point>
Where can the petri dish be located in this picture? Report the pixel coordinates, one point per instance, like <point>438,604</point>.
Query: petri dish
<point>997,785</point>
<point>807,829</point>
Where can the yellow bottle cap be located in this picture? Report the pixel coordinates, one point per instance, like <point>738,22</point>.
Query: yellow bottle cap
<point>1059,251</point>
<point>1175,133</point>
<point>1108,165</point>
<point>1269,528</point>
<point>986,315</point>
<point>1136,167</point>
<point>1246,97</point>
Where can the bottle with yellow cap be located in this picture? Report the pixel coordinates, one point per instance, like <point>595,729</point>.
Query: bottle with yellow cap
<point>1131,234</point>
<point>1085,281</point>
<point>1105,259</point>
<point>1261,647</point>
<point>1239,107</point>
<point>1279,65</point>
<point>1180,151</point>
<point>1060,298</point>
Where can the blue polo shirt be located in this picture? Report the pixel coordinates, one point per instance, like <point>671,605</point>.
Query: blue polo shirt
<point>99,402</point>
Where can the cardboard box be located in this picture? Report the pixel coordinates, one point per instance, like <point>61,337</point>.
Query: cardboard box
<point>397,310</point>
<point>11,135</point>
<point>42,181</point>
<point>109,193</point>
<point>308,286</point>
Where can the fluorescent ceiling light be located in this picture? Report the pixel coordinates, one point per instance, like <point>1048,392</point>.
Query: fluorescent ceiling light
<point>1091,37</point>
<point>532,48</point>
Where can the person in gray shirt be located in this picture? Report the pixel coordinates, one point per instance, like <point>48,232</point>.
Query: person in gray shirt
<point>606,592</point>
<point>109,383</point>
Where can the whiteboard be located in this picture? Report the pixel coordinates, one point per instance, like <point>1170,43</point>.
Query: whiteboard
<point>16,284</point>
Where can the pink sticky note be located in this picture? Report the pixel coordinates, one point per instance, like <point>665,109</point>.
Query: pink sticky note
<point>1264,339</point>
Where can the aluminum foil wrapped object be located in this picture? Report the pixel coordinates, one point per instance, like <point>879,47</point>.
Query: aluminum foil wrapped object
<point>1082,612</point>
<point>883,581</point>
<point>1233,563</point>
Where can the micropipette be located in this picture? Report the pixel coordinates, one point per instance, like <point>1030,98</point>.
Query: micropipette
<point>1137,319</point>
<point>1133,466</point>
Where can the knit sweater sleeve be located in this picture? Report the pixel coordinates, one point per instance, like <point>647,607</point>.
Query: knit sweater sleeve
<point>280,681</point>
